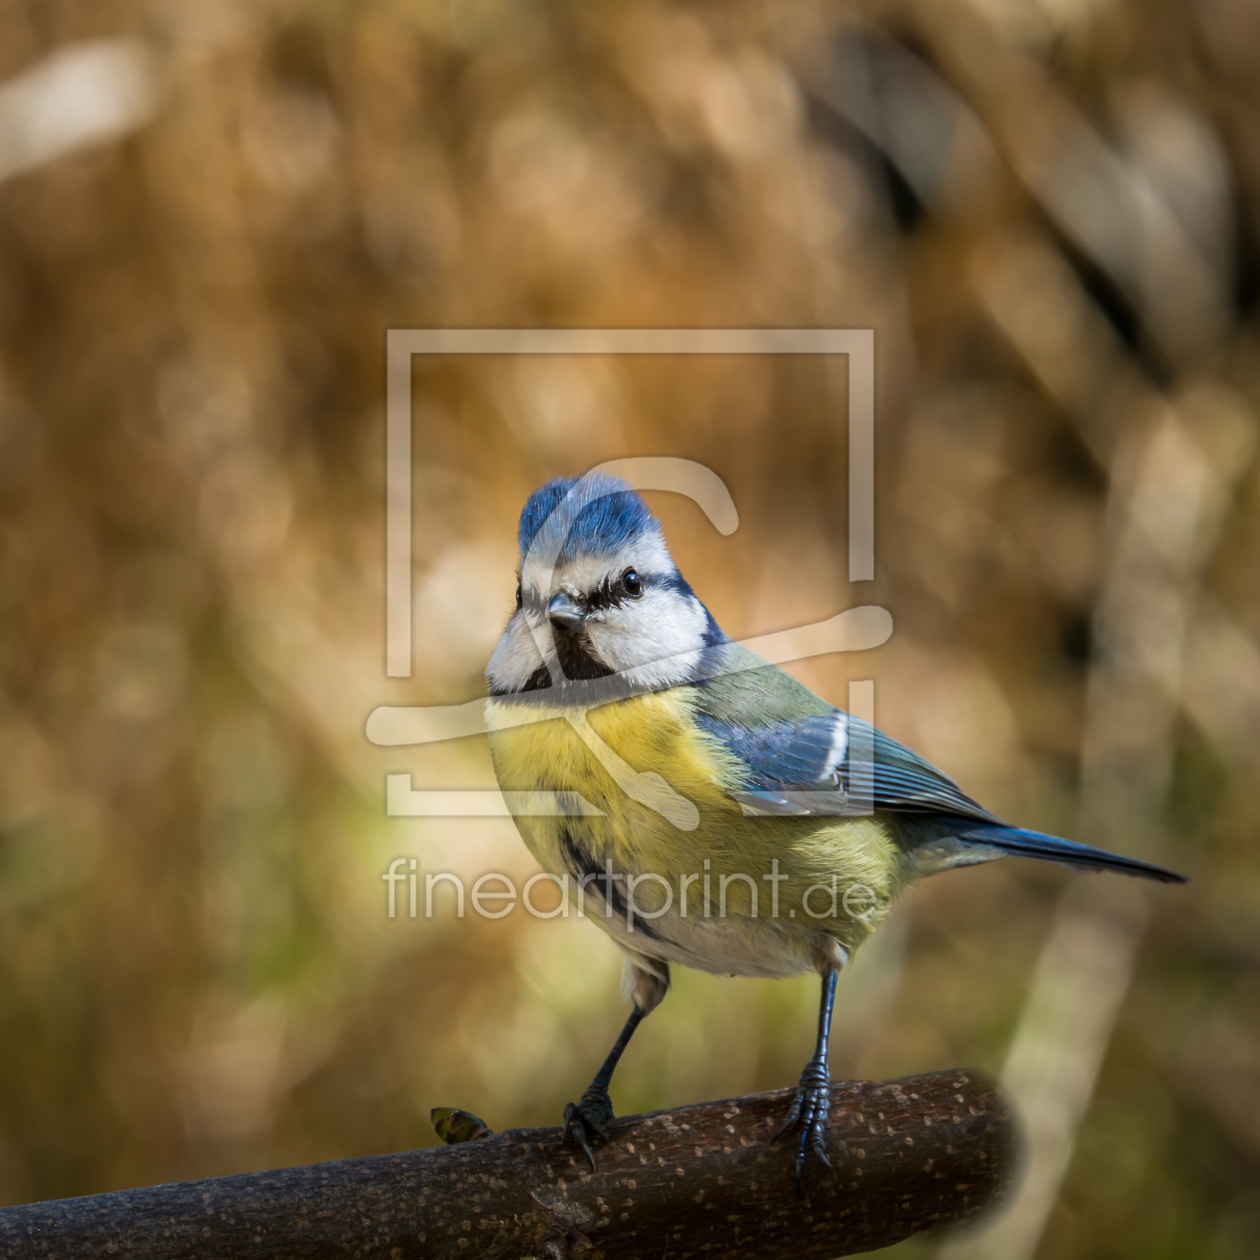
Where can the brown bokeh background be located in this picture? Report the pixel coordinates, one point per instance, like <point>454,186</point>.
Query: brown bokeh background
<point>1046,209</point>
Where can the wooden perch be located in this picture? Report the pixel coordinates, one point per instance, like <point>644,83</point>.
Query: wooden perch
<point>910,1155</point>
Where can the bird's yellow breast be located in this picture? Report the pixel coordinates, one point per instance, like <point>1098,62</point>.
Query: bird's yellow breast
<point>642,762</point>
<point>661,785</point>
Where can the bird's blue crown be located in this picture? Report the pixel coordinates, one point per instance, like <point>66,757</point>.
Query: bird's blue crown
<point>600,518</point>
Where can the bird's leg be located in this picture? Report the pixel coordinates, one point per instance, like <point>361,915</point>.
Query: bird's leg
<point>812,1103</point>
<point>585,1119</point>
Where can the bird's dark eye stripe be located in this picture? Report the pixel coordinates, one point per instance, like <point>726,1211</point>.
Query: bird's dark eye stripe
<point>613,591</point>
<point>669,582</point>
<point>528,599</point>
<point>601,597</point>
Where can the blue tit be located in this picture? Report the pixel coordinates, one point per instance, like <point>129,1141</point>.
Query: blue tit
<point>728,819</point>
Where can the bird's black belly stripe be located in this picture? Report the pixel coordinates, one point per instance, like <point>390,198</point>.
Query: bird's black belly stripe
<point>590,873</point>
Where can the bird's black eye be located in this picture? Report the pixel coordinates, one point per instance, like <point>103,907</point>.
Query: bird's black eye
<point>631,584</point>
<point>518,594</point>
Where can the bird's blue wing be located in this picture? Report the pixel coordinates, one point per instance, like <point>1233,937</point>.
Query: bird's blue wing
<point>803,756</point>
<point>800,756</point>
<point>835,763</point>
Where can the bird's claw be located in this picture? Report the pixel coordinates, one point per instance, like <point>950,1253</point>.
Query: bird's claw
<point>809,1111</point>
<point>585,1120</point>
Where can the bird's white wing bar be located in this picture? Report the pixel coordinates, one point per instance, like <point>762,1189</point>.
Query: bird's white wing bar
<point>839,749</point>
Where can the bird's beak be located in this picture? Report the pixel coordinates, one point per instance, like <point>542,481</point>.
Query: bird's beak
<point>563,613</point>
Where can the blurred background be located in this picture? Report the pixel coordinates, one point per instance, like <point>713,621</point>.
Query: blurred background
<point>211,213</point>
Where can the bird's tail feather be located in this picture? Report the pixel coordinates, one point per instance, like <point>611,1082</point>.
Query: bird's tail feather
<point>1035,844</point>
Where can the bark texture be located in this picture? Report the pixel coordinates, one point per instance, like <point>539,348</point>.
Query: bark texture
<point>909,1155</point>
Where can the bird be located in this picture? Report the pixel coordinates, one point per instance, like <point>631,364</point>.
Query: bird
<point>710,811</point>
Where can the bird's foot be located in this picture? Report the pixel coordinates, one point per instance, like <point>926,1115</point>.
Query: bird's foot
<point>584,1120</point>
<point>809,1111</point>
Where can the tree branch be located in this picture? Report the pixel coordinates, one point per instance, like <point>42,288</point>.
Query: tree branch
<point>909,1156</point>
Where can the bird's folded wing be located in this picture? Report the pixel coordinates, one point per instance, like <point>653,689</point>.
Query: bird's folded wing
<point>836,765</point>
<point>801,756</point>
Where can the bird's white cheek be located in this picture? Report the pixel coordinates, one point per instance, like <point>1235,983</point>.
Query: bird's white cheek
<point>660,638</point>
<point>515,657</point>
